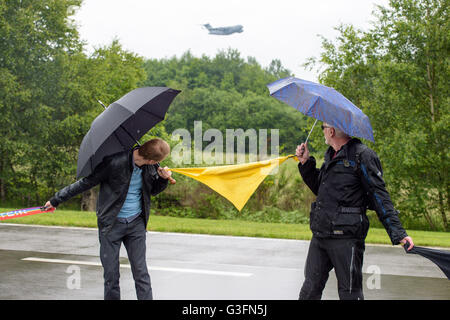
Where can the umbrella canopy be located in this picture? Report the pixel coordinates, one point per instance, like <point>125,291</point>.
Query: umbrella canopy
<point>440,257</point>
<point>122,124</point>
<point>322,103</point>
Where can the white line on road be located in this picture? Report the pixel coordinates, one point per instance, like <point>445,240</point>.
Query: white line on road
<point>98,264</point>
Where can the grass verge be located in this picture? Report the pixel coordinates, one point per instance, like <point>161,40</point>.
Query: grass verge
<point>223,227</point>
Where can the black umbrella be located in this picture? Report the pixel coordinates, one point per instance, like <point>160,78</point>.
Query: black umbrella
<point>122,124</point>
<point>439,257</point>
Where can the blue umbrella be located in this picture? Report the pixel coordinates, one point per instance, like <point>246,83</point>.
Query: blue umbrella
<point>322,103</point>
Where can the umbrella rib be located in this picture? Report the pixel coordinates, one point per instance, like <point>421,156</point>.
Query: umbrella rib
<point>117,137</point>
<point>129,134</point>
<point>312,109</point>
<point>149,112</point>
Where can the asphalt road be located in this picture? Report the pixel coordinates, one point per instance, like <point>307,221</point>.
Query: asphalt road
<point>59,263</point>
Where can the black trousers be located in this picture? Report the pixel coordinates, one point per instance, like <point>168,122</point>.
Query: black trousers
<point>133,236</point>
<point>345,256</point>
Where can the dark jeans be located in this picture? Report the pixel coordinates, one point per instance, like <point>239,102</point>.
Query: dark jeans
<point>345,256</point>
<point>133,236</point>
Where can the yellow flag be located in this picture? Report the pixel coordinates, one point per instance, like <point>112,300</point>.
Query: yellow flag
<point>234,182</point>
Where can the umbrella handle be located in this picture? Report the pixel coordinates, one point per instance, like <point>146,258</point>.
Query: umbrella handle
<point>310,131</point>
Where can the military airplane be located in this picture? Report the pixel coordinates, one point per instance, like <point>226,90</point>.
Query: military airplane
<point>224,31</point>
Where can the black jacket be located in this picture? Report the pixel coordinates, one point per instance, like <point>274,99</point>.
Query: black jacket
<point>345,186</point>
<point>114,176</point>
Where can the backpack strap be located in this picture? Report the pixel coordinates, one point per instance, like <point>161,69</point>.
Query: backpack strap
<point>355,153</point>
<point>353,156</point>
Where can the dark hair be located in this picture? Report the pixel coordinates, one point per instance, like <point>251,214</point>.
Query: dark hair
<point>155,149</point>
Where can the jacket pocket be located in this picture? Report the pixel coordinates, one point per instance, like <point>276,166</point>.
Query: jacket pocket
<point>348,224</point>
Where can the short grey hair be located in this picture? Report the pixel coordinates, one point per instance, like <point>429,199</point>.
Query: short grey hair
<point>340,133</point>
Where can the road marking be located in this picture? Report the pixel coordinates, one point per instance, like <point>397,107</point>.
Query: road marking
<point>154,268</point>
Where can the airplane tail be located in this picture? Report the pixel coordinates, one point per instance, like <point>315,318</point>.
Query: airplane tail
<point>207,26</point>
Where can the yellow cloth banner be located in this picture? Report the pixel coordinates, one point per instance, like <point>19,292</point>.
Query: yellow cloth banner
<point>234,182</point>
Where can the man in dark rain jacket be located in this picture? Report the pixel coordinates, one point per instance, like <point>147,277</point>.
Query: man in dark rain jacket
<point>349,181</point>
<point>127,179</point>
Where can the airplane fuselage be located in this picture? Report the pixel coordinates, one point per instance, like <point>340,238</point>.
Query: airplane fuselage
<point>224,30</point>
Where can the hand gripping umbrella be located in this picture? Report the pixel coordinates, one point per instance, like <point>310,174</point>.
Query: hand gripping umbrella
<point>122,124</point>
<point>322,103</point>
<point>440,257</point>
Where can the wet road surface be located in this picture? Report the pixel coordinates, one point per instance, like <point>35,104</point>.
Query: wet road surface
<point>62,263</point>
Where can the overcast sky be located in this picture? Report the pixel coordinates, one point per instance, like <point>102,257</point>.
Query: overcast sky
<point>277,29</point>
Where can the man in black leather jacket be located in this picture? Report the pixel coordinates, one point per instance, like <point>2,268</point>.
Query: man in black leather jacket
<point>127,180</point>
<point>349,181</point>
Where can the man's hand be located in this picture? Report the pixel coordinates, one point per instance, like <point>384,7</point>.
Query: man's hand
<point>302,153</point>
<point>408,239</point>
<point>164,172</point>
<point>48,206</point>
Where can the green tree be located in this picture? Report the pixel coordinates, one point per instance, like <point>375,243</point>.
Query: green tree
<point>48,95</point>
<point>35,39</point>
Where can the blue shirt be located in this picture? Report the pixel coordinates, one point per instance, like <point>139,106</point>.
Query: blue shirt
<point>133,205</point>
